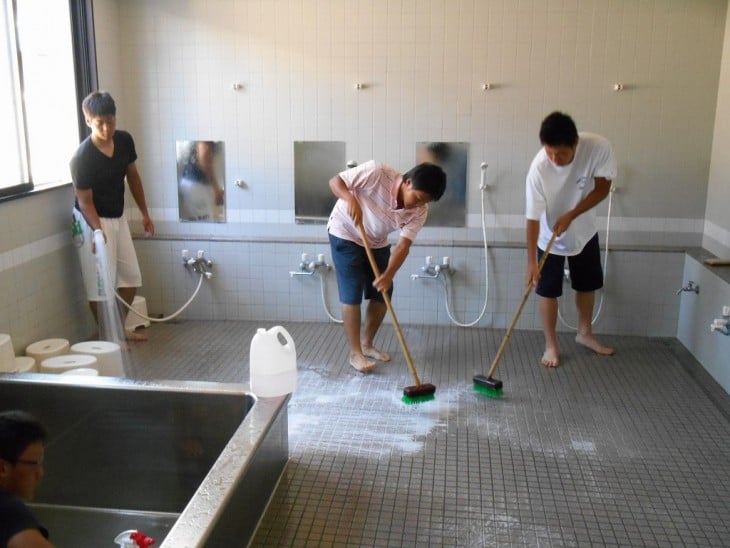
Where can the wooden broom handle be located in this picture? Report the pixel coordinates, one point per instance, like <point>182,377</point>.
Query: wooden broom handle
<point>386,297</point>
<point>525,295</point>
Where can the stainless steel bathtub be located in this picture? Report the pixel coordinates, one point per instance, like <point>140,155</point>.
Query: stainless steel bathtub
<point>188,463</point>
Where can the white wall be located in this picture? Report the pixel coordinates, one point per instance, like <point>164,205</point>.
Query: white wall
<point>41,294</point>
<point>697,311</point>
<point>716,236</point>
<point>107,41</point>
<point>423,63</point>
<point>171,64</point>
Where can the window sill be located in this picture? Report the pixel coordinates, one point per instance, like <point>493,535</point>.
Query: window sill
<point>22,193</point>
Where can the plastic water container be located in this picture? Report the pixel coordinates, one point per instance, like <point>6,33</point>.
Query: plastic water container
<point>273,363</point>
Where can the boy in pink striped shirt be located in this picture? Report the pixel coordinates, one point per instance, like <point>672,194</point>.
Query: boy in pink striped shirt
<point>384,201</point>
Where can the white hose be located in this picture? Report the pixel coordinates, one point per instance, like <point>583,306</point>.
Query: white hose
<point>448,289</point>
<point>605,267</point>
<point>100,242</point>
<point>171,316</point>
<point>324,301</point>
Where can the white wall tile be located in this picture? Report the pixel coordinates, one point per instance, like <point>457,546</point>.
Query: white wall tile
<point>424,62</point>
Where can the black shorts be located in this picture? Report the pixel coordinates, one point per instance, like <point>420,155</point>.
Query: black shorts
<point>586,273</point>
<point>354,275</point>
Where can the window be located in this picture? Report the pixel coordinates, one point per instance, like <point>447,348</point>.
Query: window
<point>11,137</point>
<point>38,102</point>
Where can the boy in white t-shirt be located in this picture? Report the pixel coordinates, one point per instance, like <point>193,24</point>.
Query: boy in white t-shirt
<point>570,175</point>
<point>384,201</point>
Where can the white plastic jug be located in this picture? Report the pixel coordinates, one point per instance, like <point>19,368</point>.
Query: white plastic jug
<point>273,364</point>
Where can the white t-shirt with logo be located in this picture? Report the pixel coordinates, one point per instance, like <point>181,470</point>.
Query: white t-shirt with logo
<point>554,190</point>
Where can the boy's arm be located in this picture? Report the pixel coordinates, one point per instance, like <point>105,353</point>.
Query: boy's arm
<point>341,191</point>
<point>397,258</point>
<point>29,538</point>
<point>533,232</point>
<point>87,208</point>
<point>600,190</point>
<point>135,186</point>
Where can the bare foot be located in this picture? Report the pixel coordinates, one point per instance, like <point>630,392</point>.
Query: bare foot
<point>372,352</point>
<point>134,336</point>
<point>550,357</point>
<point>361,363</point>
<point>589,341</point>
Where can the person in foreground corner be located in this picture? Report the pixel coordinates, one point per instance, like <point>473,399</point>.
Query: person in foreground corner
<point>383,200</point>
<point>22,441</point>
<point>568,178</point>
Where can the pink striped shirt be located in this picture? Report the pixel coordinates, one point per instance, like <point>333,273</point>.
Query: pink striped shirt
<point>376,188</point>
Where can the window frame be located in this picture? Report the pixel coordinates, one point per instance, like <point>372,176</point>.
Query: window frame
<point>16,71</point>
<point>86,80</point>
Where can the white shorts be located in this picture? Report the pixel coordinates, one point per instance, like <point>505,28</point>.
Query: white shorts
<point>197,202</point>
<point>120,254</point>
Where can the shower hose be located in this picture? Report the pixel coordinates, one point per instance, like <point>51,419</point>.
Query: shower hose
<point>324,300</point>
<point>99,241</point>
<point>448,289</point>
<point>166,318</point>
<point>605,267</point>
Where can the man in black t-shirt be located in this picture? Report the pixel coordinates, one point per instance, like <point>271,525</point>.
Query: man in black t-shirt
<point>99,168</point>
<point>22,439</point>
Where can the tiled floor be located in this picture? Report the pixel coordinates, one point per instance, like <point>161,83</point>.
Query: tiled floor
<point>632,450</point>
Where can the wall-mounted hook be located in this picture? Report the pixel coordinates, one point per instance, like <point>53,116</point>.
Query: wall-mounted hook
<point>486,86</point>
<point>360,85</point>
<point>237,87</point>
<point>618,87</point>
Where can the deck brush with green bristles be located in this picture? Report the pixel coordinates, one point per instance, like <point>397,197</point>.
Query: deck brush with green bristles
<point>488,386</point>
<point>418,393</point>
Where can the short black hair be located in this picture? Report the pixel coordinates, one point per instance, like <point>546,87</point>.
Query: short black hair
<point>18,429</point>
<point>558,129</point>
<point>439,151</point>
<point>429,178</point>
<point>99,103</point>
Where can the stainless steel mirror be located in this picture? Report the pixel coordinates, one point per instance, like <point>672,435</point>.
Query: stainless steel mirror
<point>315,163</point>
<point>450,210</point>
<point>200,181</point>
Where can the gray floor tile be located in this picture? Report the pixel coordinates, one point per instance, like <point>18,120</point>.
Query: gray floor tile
<point>632,450</point>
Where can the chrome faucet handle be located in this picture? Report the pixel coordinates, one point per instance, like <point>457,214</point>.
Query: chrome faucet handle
<point>691,286</point>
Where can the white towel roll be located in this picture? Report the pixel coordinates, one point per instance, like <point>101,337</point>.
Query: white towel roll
<point>7,354</point>
<point>59,364</point>
<point>108,355</point>
<point>47,348</point>
<point>25,364</point>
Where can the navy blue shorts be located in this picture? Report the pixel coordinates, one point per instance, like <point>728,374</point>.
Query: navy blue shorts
<point>354,275</point>
<point>586,273</point>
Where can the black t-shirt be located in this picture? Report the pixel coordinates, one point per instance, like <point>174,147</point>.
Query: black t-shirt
<point>193,172</point>
<point>92,170</point>
<point>15,517</point>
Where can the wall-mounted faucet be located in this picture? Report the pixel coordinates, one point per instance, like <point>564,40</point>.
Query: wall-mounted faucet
<point>433,270</point>
<point>308,268</point>
<point>722,324</point>
<point>199,264</point>
<point>691,286</point>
